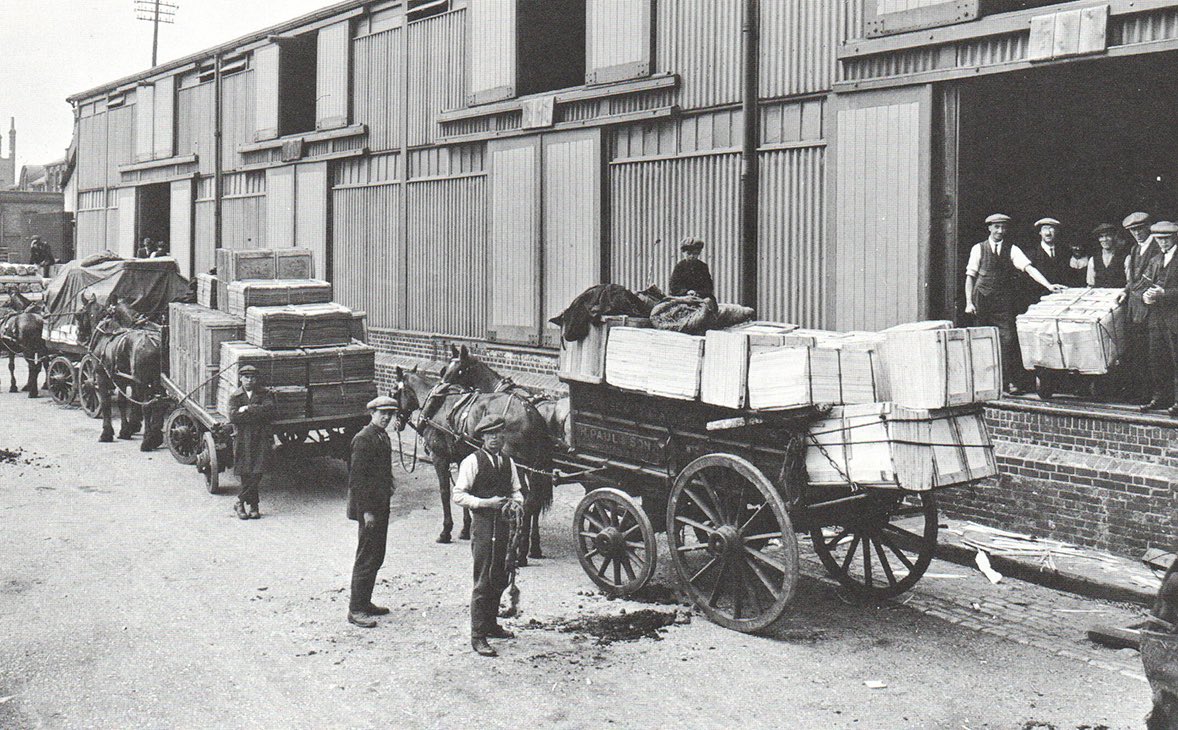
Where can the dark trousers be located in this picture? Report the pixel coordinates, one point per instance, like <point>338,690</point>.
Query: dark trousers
<point>1002,317</point>
<point>249,489</point>
<point>489,535</point>
<point>1163,348</point>
<point>1135,361</point>
<point>370,549</point>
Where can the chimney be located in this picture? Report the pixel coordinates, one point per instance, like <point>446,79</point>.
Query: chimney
<point>12,138</point>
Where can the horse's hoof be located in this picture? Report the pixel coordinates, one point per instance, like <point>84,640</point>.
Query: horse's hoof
<point>522,562</point>
<point>13,389</point>
<point>464,535</point>
<point>33,394</point>
<point>106,438</point>
<point>124,436</point>
<point>444,538</point>
<point>147,446</point>
<point>536,553</point>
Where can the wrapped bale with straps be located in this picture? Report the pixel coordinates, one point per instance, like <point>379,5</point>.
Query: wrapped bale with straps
<point>295,326</point>
<point>275,293</point>
<point>886,445</point>
<point>583,360</point>
<point>1080,330</point>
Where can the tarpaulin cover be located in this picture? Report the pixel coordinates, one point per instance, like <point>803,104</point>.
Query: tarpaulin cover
<point>147,285</point>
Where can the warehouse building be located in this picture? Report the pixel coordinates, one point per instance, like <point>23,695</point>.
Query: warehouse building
<point>463,168</point>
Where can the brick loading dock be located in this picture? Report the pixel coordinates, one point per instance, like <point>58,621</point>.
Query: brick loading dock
<point>1095,476</point>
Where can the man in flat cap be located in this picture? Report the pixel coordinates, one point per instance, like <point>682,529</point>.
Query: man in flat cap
<point>1161,301</point>
<point>1136,361</point>
<point>691,275</point>
<point>992,292</point>
<point>487,480</point>
<point>370,487</point>
<point>252,409</point>
<point>1049,257</point>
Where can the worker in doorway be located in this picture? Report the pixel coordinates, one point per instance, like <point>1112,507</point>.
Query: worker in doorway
<point>1049,258</point>
<point>992,284</point>
<point>1161,301</point>
<point>1106,269</point>
<point>1136,360</point>
<point>161,249</point>
<point>145,248</point>
<point>1076,274</point>
<point>41,255</point>
<point>691,276</point>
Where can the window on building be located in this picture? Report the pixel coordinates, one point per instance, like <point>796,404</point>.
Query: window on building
<point>421,9</point>
<point>550,45</point>
<point>297,68</point>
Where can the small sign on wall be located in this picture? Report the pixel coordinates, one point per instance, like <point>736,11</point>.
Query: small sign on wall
<point>1077,32</point>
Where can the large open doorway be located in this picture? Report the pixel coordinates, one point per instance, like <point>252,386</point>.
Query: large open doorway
<point>1083,142</point>
<point>154,219</point>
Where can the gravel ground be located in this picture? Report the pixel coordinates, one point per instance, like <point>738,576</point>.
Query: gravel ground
<point>131,598</point>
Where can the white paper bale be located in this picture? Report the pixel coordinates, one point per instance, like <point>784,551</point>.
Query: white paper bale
<point>1080,330</point>
<point>828,373</point>
<point>724,378</point>
<point>657,362</point>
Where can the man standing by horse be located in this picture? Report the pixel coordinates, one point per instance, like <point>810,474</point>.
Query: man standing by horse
<point>370,487</point>
<point>252,409</point>
<point>487,482</point>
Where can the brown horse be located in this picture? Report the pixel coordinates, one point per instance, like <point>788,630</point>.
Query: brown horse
<point>22,333</point>
<point>129,352</point>
<point>448,416</point>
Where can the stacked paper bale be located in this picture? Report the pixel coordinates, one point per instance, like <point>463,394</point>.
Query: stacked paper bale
<point>275,292</point>
<point>194,349</point>
<point>278,263</point>
<point>1081,330</point>
<point>301,325</point>
<point>332,381</point>
<point>584,360</point>
<point>724,380</point>
<point>818,367</point>
<point>656,362</point>
<point>206,290</point>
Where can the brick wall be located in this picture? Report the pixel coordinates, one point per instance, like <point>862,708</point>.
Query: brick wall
<point>1105,480</point>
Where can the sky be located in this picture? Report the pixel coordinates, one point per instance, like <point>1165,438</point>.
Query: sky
<point>54,48</point>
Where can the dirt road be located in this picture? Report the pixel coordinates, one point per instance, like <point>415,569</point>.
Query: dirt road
<point>131,598</point>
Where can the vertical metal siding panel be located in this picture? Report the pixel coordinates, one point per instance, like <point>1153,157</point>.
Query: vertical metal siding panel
<point>618,34</point>
<point>119,142</point>
<point>791,236</point>
<point>266,92</point>
<point>311,212</point>
<point>180,229</point>
<point>164,118</point>
<point>514,244</point>
<point>280,206</point>
<point>331,89</point>
<point>657,203</point>
<point>572,218</point>
<point>206,238</point>
<point>196,125</point>
<point>126,234</point>
<point>798,46</point>
<point>368,252</point>
<point>851,26</point>
<point>700,41</point>
<point>90,233</point>
<point>437,72</point>
<point>492,47</point>
<point>378,88</point>
<point>144,122</point>
<point>237,91</point>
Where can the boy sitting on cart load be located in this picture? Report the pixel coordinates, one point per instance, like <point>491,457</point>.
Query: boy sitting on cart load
<point>252,408</point>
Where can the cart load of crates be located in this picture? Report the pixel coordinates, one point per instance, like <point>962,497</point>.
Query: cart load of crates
<point>264,308</point>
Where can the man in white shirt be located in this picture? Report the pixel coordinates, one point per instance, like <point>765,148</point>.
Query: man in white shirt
<point>487,480</point>
<point>992,288</point>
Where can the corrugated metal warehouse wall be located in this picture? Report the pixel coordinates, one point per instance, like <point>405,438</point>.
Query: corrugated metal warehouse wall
<point>237,120</point>
<point>792,231</point>
<point>798,43</point>
<point>368,239</point>
<point>437,72</point>
<point>243,211</point>
<point>196,125</point>
<point>378,83</point>
<point>700,41</point>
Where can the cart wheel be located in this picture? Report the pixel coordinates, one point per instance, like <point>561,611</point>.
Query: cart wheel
<point>63,381</point>
<point>206,462</point>
<point>612,555</point>
<point>87,387</point>
<point>884,546</point>
<point>1044,384</point>
<point>732,542</point>
<point>183,436</point>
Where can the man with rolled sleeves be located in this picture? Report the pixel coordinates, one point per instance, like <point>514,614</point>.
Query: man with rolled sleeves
<point>370,487</point>
<point>252,409</point>
<point>1161,301</point>
<point>487,480</point>
<point>993,292</point>
<point>1135,360</point>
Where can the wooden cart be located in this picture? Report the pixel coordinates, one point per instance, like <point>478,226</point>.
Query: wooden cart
<point>202,437</point>
<point>730,491</point>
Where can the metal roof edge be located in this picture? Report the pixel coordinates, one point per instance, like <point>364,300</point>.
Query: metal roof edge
<point>283,27</point>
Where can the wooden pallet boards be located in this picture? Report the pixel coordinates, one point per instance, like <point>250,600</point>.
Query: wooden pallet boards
<point>274,293</point>
<point>1081,330</point>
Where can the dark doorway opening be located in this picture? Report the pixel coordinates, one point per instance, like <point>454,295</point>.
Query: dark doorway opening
<point>297,67</point>
<point>1085,143</point>
<point>550,50</point>
<point>154,218</point>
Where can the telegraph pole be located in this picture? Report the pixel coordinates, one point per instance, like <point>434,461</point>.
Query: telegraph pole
<point>155,12</point>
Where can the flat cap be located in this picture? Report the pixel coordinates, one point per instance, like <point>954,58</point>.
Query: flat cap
<point>691,244</point>
<point>1135,219</point>
<point>1047,222</point>
<point>383,403</point>
<point>1165,228</point>
<point>489,424</point>
<point>1104,228</point>
<point>997,218</point>
<point>247,370</point>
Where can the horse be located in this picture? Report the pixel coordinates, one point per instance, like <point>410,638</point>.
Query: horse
<point>129,352</point>
<point>22,333</point>
<point>448,416</point>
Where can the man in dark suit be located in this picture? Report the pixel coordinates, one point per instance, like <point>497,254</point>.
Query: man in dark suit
<point>691,275</point>
<point>1161,299</point>
<point>370,487</point>
<point>1049,258</point>
<point>252,409</point>
<point>1135,360</point>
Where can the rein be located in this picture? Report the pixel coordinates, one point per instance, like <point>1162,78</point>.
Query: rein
<point>513,513</point>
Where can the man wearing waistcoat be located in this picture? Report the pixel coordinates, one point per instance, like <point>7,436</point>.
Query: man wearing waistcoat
<point>370,487</point>
<point>1161,299</point>
<point>993,291</point>
<point>487,479</point>
<point>1136,360</point>
<point>1049,257</point>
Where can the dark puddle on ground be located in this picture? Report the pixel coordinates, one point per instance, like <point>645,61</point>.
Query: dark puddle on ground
<point>646,623</point>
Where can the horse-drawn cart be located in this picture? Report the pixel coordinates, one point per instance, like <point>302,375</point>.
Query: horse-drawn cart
<point>730,489</point>
<point>202,436</point>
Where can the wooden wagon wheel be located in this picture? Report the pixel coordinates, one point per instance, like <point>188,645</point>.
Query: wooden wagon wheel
<point>63,382</point>
<point>182,433</point>
<point>615,541</point>
<point>732,542</point>
<point>87,387</point>
<point>883,546</point>
<point>207,463</point>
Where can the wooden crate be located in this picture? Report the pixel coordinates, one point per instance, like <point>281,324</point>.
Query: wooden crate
<point>885,445</point>
<point>295,326</point>
<point>939,368</point>
<point>275,293</point>
<point>206,290</point>
<point>278,263</point>
<point>359,326</point>
<point>832,372</point>
<point>583,360</point>
<point>1081,330</point>
<point>653,361</point>
<point>194,348</point>
<point>927,324</point>
<point>724,378</point>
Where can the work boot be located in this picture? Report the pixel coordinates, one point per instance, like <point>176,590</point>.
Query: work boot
<point>361,620</point>
<point>239,509</point>
<point>498,632</point>
<point>480,645</point>
<point>374,610</point>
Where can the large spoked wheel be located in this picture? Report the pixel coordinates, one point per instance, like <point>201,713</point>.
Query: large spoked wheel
<point>732,542</point>
<point>207,464</point>
<point>63,383</point>
<point>183,436</point>
<point>87,388</point>
<point>615,541</point>
<point>884,546</point>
